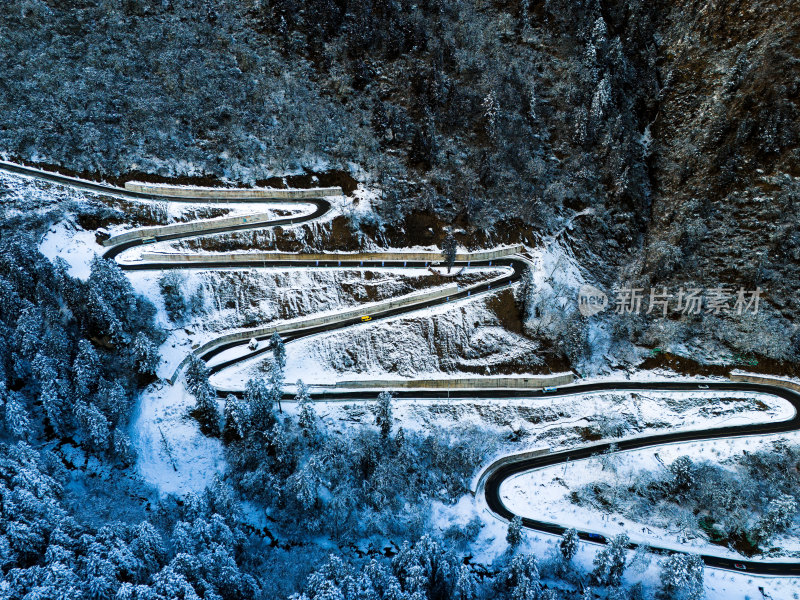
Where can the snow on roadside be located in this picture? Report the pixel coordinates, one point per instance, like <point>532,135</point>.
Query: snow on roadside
<point>172,454</point>
<point>653,410</point>
<point>238,299</point>
<point>76,246</point>
<point>719,584</point>
<point>561,422</point>
<point>452,339</point>
<point>181,213</point>
<point>545,492</point>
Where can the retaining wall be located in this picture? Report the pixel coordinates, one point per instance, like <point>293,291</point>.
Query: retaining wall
<point>177,191</point>
<point>174,257</point>
<point>180,228</point>
<point>766,379</point>
<point>464,383</point>
<point>374,310</point>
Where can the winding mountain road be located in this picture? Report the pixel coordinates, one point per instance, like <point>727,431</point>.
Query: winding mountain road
<point>497,473</point>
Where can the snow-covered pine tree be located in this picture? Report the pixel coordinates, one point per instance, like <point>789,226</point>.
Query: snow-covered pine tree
<point>112,399</point>
<point>514,534</point>
<point>522,578</point>
<point>196,373</point>
<point>466,587</point>
<point>145,354</point>
<point>93,424</point>
<point>276,385</point>
<point>426,567</point>
<point>16,417</point>
<point>569,544</point>
<point>307,418</point>
<point>278,350</point>
<point>85,369</point>
<point>206,411</point>
<point>171,284</point>
<point>237,419</point>
<point>258,398</point>
<point>778,517</point>
<point>609,563</point>
<point>682,578</point>
<point>383,414</point>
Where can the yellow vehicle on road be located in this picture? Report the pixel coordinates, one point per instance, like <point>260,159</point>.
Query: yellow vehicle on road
<point>366,318</point>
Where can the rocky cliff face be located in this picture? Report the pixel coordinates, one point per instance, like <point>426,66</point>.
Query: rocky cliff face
<point>724,165</point>
<point>657,139</point>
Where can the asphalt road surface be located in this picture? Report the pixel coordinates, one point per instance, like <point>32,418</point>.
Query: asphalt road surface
<point>494,476</point>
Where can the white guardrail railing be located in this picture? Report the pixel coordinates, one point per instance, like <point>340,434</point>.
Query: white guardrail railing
<point>500,383</point>
<point>179,228</point>
<point>767,379</point>
<point>301,324</point>
<point>232,257</point>
<point>181,191</point>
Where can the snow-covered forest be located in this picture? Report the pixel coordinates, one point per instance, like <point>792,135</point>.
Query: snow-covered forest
<point>302,505</point>
<point>297,300</point>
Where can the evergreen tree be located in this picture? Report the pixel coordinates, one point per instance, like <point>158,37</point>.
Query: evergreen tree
<point>400,439</point>
<point>237,419</point>
<point>523,578</point>
<point>122,447</point>
<point>383,414</point>
<point>305,484</point>
<point>425,567</point>
<point>569,544</point>
<point>206,411</point>
<point>276,385</point>
<point>16,417</point>
<point>514,534</point>
<point>196,374</point>
<point>85,369</point>
<point>778,517</point>
<point>258,398</point>
<point>609,563</point>
<point>145,354</point>
<point>466,587</point>
<point>682,578</point>
<point>307,418</point>
<point>278,350</point>
<point>52,400</point>
<point>171,284</point>
<point>93,424</point>
<point>114,401</point>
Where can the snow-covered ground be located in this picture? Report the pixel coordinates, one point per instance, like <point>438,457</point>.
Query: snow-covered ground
<point>545,492</point>
<point>172,453</point>
<point>463,336</point>
<point>240,299</point>
<point>565,421</point>
<point>76,246</point>
<point>183,212</point>
<point>553,422</point>
<point>719,584</point>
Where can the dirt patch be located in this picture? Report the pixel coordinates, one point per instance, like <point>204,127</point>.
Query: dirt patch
<point>306,180</point>
<point>506,309</point>
<point>687,366</point>
<point>310,179</point>
<point>424,228</point>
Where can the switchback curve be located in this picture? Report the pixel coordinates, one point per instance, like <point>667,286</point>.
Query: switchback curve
<point>496,474</point>
<point>493,477</point>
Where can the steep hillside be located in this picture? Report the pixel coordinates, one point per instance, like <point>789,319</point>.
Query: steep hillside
<point>657,141</point>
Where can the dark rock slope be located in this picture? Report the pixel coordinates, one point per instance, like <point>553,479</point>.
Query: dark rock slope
<point>671,126</point>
